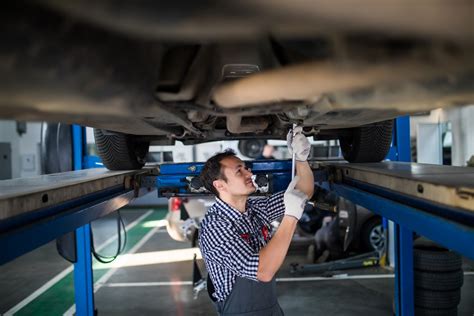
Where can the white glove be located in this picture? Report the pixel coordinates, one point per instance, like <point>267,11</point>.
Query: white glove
<point>294,200</point>
<point>299,143</point>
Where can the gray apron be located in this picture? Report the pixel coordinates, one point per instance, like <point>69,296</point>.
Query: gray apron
<point>251,298</point>
<point>248,297</point>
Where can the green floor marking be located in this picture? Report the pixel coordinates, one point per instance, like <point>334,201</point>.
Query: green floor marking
<point>60,297</point>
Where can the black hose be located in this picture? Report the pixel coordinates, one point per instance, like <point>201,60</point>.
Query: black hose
<point>120,246</point>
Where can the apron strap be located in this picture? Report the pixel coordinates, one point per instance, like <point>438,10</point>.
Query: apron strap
<point>210,288</point>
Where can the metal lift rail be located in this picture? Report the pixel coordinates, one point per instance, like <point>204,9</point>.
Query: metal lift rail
<point>434,201</point>
<point>34,211</point>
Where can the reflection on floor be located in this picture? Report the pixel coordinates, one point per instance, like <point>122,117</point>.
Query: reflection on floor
<point>154,278</point>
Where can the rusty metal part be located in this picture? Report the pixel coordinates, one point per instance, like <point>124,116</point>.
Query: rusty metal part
<point>237,124</point>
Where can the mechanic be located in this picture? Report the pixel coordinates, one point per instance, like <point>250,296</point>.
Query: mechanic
<point>236,241</point>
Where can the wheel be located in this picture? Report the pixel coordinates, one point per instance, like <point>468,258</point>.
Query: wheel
<point>437,299</point>
<point>372,235</point>
<point>439,281</point>
<point>368,143</point>
<point>120,151</point>
<point>432,258</point>
<point>252,148</point>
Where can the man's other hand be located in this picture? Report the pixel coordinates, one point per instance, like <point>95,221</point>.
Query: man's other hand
<point>298,143</point>
<point>294,200</point>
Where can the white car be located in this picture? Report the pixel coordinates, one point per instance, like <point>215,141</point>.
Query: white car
<point>185,215</point>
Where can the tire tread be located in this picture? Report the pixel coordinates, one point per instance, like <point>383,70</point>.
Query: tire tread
<point>120,151</point>
<point>369,143</point>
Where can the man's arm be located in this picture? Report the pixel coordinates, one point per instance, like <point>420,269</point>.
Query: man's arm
<point>306,182</point>
<point>299,190</point>
<point>272,255</point>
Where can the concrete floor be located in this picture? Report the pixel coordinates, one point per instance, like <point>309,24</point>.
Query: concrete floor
<point>155,282</point>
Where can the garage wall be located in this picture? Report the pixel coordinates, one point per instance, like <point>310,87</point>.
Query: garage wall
<point>462,129</point>
<point>25,156</point>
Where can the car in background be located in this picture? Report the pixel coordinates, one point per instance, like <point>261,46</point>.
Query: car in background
<point>148,73</point>
<point>184,217</point>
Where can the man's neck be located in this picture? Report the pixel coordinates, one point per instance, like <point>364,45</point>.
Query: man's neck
<point>237,202</point>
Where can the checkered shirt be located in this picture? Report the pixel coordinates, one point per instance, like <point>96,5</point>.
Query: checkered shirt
<point>230,241</point>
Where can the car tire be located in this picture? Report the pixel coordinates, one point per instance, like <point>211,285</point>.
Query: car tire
<point>120,151</point>
<point>420,311</point>
<point>439,281</point>
<point>436,259</point>
<point>372,235</point>
<point>436,312</point>
<point>368,143</point>
<point>437,299</point>
<point>252,148</point>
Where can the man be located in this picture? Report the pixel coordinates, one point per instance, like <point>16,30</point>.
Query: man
<point>235,237</point>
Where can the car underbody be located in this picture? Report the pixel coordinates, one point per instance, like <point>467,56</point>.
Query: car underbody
<point>197,73</point>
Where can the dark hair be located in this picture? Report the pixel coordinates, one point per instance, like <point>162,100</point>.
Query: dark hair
<point>212,170</point>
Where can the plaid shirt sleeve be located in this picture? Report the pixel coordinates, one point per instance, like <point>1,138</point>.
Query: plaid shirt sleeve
<point>272,207</point>
<point>222,245</point>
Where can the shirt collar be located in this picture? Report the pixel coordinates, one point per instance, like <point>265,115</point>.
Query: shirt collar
<point>229,210</point>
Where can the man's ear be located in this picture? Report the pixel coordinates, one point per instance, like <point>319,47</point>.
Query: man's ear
<point>219,184</point>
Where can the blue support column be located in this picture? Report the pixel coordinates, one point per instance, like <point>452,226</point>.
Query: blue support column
<point>400,149</point>
<point>78,146</point>
<point>83,279</point>
<point>404,279</point>
<point>402,137</point>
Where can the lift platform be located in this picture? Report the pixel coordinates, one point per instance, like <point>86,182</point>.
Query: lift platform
<point>34,211</point>
<point>434,201</point>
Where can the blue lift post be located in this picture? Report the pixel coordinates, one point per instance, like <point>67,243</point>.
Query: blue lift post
<point>83,274</point>
<point>404,275</point>
<point>404,278</point>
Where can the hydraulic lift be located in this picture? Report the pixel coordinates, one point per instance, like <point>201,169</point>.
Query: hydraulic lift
<point>433,201</point>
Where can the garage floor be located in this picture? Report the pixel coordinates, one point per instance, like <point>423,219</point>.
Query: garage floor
<point>154,278</point>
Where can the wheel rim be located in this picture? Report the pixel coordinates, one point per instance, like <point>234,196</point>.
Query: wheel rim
<point>377,238</point>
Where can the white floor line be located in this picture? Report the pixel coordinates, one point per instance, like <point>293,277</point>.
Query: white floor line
<point>297,279</point>
<point>145,284</point>
<point>344,277</point>
<point>66,271</point>
<point>108,274</point>
<point>337,278</point>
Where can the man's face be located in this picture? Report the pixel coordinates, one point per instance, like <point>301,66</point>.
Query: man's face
<point>239,177</point>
